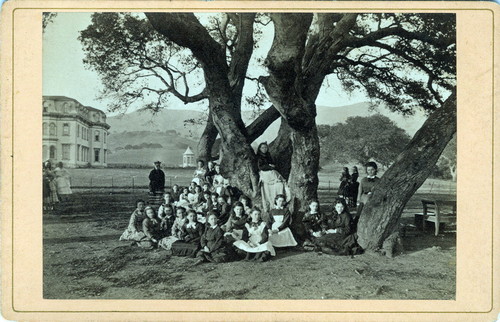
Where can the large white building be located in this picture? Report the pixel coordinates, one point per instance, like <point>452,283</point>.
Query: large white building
<point>73,133</point>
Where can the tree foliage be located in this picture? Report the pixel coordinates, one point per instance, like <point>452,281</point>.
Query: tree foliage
<point>405,60</point>
<point>362,138</point>
<point>47,18</point>
<point>138,66</point>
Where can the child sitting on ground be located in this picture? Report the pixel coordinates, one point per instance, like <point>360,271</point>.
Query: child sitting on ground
<point>280,220</point>
<point>151,229</point>
<point>175,192</point>
<point>167,220</point>
<point>183,198</point>
<point>209,175</point>
<point>214,203</point>
<point>338,234</point>
<point>176,231</point>
<point>195,198</point>
<point>236,223</point>
<point>134,230</point>
<point>312,221</point>
<point>218,182</point>
<point>224,209</point>
<point>247,204</point>
<point>189,243</point>
<point>213,247</point>
<point>167,200</point>
<point>255,239</point>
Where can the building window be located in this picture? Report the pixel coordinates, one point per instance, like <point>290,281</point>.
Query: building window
<point>96,136</point>
<point>96,155</point>
<point>53,129</point>
<point>66,151</point>
<point>44,128</point>
<point>104,136</point>
<point>52,152</point>
<point>66,129</point>
<point>78,130</point>
<point>78,152</point>
<point>104,155</point>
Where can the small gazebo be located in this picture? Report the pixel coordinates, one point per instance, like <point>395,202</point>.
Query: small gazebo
<point>188,158</point>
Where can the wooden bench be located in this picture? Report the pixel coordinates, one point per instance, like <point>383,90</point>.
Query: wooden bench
<point>438,212</point>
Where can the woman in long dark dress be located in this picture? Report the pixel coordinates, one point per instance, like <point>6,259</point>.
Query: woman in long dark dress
<point>344,183</point>
<point>354,187</point>
<point>189,243</point>
<point>339,232</point>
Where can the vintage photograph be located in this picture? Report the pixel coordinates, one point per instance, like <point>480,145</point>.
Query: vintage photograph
<point>249,155</point>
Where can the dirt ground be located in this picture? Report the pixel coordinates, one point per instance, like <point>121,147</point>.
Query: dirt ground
<point>83,259</point>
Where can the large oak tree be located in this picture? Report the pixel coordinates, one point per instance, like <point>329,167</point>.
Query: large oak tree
<point>405,60</point>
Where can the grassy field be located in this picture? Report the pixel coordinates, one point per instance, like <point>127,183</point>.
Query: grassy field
<point>131,177</point>
<point>83,259</point>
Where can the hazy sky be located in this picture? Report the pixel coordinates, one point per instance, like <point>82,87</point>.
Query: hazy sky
<point>64,73</point>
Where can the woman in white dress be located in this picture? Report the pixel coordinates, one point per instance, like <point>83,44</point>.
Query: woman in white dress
<point>271,181</point>
<point>62,178</point>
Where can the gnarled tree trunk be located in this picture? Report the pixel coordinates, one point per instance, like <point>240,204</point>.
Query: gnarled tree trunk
<point>223,85</point>
<point>207,140</point>
<point>381,213</point>
<point>281,150</point>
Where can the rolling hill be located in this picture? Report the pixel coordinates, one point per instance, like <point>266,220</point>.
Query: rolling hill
<point>168,128</point>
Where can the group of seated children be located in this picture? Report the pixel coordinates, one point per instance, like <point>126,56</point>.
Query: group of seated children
<point>209,220</point>
<point>333,233</point>
<point>211,230</point>
<point>214,231</point>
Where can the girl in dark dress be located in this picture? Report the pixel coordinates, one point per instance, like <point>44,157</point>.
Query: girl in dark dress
<point>210,174</point>
<point>167,219</point>
<point>236,223</point>
<point>175,192</point>
<point>189,243</point>
<point>312,221</point>
<point>344,183</point>
<point>280,220</point>
<point>213,247</point>
<point>354,187</point>
<point>247,204</point>
<point>167,201</point>
<point>338,234</point>
<point>224,209</point>
<point>367,184</point>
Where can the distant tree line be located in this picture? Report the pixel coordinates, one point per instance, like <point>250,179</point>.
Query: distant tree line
<point>141,146</point>
<point>376,137</point>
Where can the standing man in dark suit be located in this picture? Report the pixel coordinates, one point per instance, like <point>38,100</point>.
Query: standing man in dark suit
<point>156,179</point>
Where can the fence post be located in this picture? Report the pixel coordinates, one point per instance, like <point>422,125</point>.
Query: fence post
<point>328,186</point>
<point>112,184</point>
<point>133,183</point>
<point>90,182</point>
<point>170,180</point>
